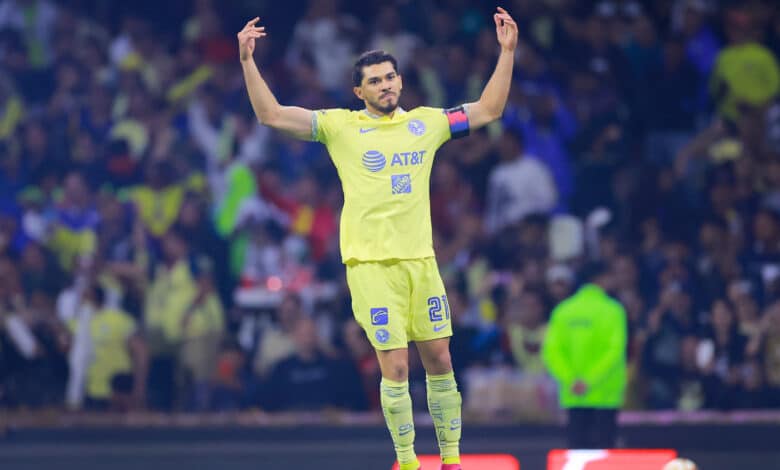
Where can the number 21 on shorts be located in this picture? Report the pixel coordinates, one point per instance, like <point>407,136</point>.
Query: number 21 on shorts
<point>435,306</point>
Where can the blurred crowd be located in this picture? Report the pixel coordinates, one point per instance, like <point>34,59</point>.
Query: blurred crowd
<point>159,249</point>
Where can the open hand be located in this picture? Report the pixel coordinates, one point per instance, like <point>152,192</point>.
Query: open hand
<point>506,30</point>
<point>247,36</point>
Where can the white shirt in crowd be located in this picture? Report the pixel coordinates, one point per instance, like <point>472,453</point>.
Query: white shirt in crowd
<point>516,189</point>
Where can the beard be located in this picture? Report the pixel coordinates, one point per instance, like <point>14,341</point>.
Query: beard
<point>388,108</point>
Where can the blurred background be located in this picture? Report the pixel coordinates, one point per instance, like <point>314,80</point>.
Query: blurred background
<point>166,261</point>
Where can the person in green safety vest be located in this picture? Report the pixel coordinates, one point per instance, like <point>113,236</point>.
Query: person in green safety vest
<point>585,351</point>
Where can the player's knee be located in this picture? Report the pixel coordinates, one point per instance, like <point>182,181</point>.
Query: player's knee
<point>442,363</point>
<point>394,365</point>
<point>398,372</point>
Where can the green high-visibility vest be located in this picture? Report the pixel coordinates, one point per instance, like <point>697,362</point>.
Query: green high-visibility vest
<point>586,340</point>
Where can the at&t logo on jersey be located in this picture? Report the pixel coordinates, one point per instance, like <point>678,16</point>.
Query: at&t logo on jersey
<point>374,161</point>
<point>402,184</point>
<point>407,158</point>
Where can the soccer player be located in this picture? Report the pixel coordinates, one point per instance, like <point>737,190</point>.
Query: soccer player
<point>384,155</point>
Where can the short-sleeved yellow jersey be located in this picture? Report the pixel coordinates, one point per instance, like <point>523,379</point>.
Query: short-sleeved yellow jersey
<point>385,167</point>
<point>110,331</point>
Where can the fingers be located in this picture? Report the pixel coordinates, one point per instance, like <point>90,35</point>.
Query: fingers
<point>503,15</point>
<point>511,25</point>
<point>505,25</point>
<point>252,32</point>
<point>505,18</point>
<point>250,26</point>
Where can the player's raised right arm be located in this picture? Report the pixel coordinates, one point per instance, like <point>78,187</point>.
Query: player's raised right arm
<point>292,120</point>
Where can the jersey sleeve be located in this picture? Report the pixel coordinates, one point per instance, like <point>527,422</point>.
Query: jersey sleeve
<point>554,348</point>
<point>326,124</point>
<point>449,123</point>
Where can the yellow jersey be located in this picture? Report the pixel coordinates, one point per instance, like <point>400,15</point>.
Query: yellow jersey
<point>110,330</point>
<point>384,164</point>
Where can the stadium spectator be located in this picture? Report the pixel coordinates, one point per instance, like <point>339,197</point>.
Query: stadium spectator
<point>669,323</point>
<point>733,88</point>
<point>203,325</point>
<point>526,324</point>
<point>74,225</point>
<point>722,353</point>
<point>116,374</point>
<point>310,380</point>
<point>518,186</point>
<point>276,339</point>
<point>364,359</point>
<point>33,345</point>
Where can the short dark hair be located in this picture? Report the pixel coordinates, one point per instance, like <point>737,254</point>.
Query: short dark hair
<point>371,58</point>
<point>594,270</point>
<point>99,294</point>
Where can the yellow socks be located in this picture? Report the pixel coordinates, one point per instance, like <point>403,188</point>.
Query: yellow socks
<point>397,408</point>
<point>444,404</point>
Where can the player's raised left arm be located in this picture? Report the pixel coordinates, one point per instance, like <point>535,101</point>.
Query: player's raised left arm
<point>491,104</point>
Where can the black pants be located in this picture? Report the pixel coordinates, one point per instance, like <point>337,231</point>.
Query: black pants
<point>592,428</point>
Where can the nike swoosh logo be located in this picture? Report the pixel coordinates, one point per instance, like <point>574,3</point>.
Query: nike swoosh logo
<point>454,428</point>
<point>405,429</point>
<point>363,131</point>
<point>438,328</point>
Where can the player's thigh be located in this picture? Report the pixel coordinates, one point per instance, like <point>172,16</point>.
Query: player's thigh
<point>380,303</point>
<point>430,310</point>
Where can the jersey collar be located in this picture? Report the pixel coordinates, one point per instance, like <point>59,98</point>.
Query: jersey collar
<point>368,113</point>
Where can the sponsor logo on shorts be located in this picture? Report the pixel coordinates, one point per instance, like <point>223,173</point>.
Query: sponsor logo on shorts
<point>379,316</point>
<point>402,184</point>
<point>438,328</point>
<point>382,335</point>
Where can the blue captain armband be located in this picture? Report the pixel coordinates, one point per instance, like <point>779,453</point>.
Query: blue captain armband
<point>459,121</point>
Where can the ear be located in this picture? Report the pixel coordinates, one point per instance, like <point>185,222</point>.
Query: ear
<point>400,82</point>
<point>358,92</point>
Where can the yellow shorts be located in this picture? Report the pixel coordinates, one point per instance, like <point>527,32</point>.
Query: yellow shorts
<point>398,301</point>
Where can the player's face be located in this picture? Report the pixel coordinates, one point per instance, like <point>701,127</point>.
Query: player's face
<point>381,88</point>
